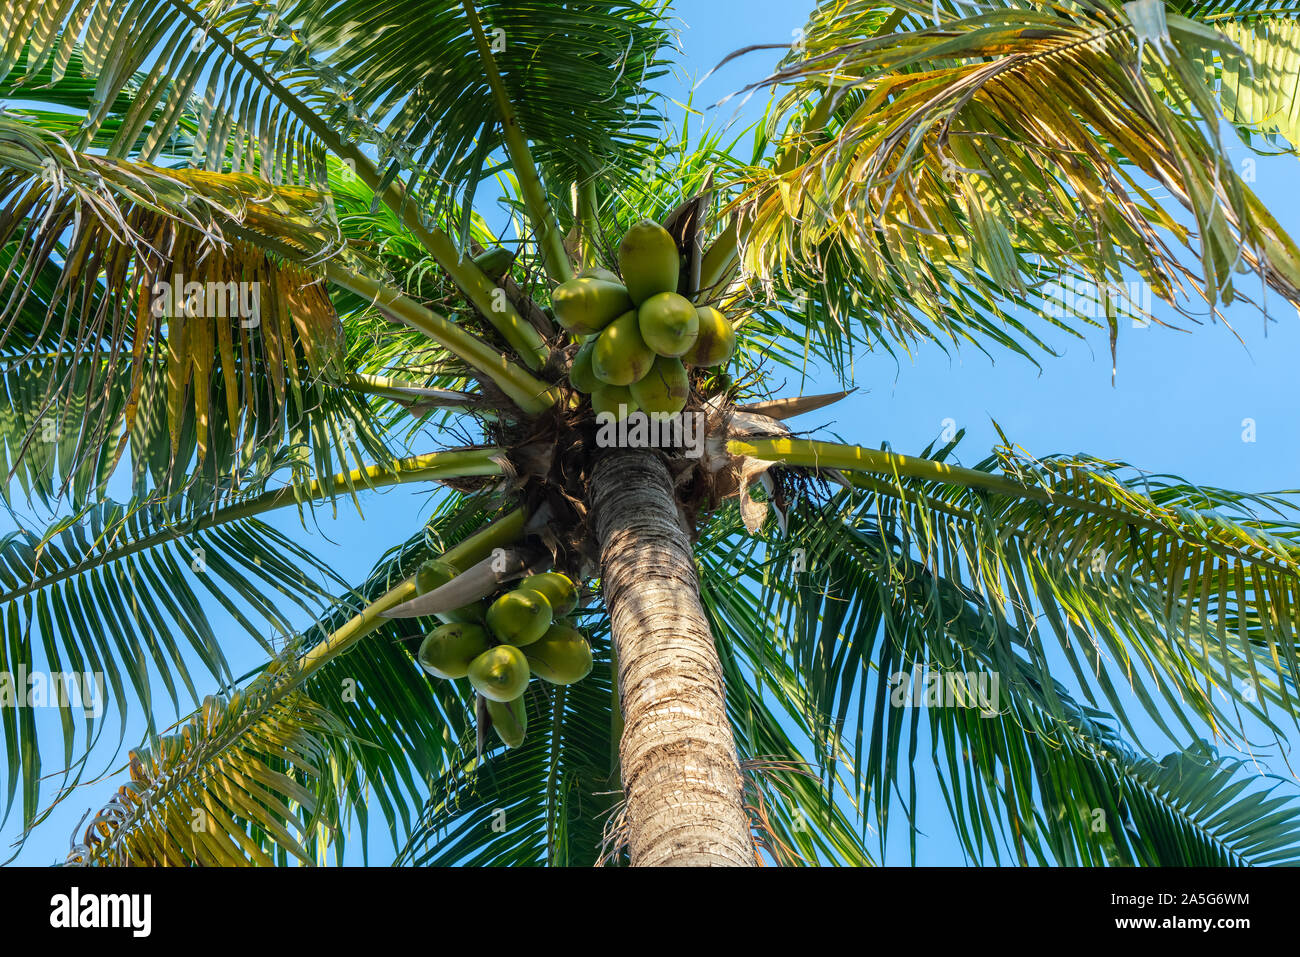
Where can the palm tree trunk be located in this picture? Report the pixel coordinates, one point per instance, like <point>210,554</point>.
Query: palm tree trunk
<point>681,776</point>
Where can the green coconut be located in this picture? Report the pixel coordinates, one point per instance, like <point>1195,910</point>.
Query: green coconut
<point>669,324</point>
<point>599,272</point>
<point>581,376</point>
<point>562,656</point>
<point>449,650</point>
<point>509,720</point>
<point>559,590</point>
<point>495,262</point>
<point>520,617</point>
<point>613,399</point>
<point>500,673</point>
<point>585,305</point>
<point>620,357</point>
<point>716,340</point>
<point>649,261</point>
<point>665,388</point>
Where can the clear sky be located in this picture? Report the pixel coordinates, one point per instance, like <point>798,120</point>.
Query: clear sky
<point>1177,404</point>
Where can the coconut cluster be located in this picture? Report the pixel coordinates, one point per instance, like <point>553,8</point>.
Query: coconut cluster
<point>500,645</point>
<point>639,335</point>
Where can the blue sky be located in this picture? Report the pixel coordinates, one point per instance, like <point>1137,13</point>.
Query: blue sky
<point>1177,404</point>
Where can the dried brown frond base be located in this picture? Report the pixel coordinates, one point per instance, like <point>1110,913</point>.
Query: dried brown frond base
<point>550,458</point>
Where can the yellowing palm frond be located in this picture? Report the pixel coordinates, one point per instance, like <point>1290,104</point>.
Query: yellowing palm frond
<point>941,170</point>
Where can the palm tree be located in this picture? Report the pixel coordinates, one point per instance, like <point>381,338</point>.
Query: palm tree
<point>926,172</point>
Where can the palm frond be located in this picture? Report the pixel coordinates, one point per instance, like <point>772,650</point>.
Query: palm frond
<point>230,69</point>
<point>1226,11</point>
<point>576,75</point>
<point>244,782</point>
<point>953,169</point>
<point>1257,77</point>
<point>329,747</point>
<point>153,313</point>
<point>800,821</point>
<point>555,257</point>
<point>1027,771</point>
<point>114,591</point>
<point>1133,573</point>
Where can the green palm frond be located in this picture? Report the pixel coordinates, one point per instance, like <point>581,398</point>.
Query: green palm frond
<point>154,311</point>
<point>36,442</point>
<point>1258,78</point>
<point>410,727</point>
<point>59,103</point>
<point>118,591</point>
<point>228,66</point>
<point>1069,790</point>
<point>1221,11</point>
<point>576,75</point>
<point>540,210</point>
<point>1134,574</point>
<point>226,748</point>
<point>244,781</point>
<point>1193,809</point>
<point>114,590</point>
<point>61,433</point>
<point>391,244</point>
<point>396,249</point>
<point>1035,773</point>
<point>941,172</point>
<point>1048,778</point>
<point>801,822</point>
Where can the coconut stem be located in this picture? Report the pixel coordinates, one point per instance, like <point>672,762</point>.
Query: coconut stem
<point>502,532</point>
<point>491,300</point>
<point>549,237</point>
<point>809,453</point>
<point>434,466</point>
<point>421,468</point>
<point>531,394</point>
<point>467,277</point>
<point>588,213</point>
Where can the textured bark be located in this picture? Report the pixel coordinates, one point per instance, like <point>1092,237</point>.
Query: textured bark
<point>681,776</point>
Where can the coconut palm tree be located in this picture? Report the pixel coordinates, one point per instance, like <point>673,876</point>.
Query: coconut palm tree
<point>264,255</point>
